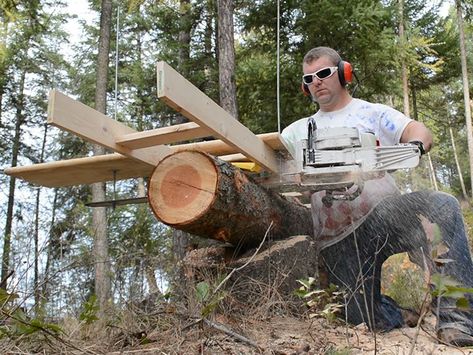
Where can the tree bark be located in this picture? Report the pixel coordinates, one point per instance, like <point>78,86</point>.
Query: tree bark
<point>202,195</point>
<point>180,240</point>
<point>185,27</point>
<point>432,172</point>
<point>466,89</point>
<point>457,163</point>
<point>37,289</point>
<point>20,106</point>
<point>210,55</point>
<point>405,79</point>
<point>45,289</point>
<point>226,58</point>
<point>432,176</point>
<point>99,217</point>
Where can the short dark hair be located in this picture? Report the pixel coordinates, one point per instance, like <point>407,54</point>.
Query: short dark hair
<point>317,52</point>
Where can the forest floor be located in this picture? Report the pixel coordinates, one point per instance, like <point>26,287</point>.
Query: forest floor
<point>267,328</point>
<point>270,324</point>
<point>270,327</point>
<point>171,333</point>
<point>289,335</point>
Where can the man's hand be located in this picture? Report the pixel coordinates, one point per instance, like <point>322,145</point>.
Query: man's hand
<point>420,145</point>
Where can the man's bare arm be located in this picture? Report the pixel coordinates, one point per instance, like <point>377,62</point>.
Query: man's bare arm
<point>417,131</point>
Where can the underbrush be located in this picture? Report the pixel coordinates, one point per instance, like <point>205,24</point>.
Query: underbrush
<point>246,317</point>
<point>169,327</point>
<point>468,218</point>
<point>403,281</point>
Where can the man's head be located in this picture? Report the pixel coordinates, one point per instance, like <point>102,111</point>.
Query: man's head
<point>317,52</point>
<point>325,76</point>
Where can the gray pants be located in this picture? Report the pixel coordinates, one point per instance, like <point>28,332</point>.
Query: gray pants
<point>393,227</point>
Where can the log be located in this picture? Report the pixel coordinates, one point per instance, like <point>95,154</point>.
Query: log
<point>205,196</point>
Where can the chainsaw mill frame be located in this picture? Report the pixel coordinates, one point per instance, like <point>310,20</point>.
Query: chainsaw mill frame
<point>137,153</point>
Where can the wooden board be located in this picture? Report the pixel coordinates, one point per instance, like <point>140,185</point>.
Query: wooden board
<point>217,147</point>
<point>81,170</point>
<point>163,135</point>
<point>178,93</point>
<point>100,168</point>
<point>139,152</point>
<point>85,122</point>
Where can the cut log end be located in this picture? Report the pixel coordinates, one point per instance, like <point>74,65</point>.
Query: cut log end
<point>183,188</point>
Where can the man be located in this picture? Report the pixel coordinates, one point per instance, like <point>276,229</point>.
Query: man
<point>356,237</point>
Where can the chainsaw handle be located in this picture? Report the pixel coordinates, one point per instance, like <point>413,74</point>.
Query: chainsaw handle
<point>420,145</point>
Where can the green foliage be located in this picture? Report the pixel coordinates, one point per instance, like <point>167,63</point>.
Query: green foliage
<point>207,298</point>
<point>90,310</point>
<point>445,286</point>
<point>202,291</point>
<point>327,303</point>
<point>27,327</point>
<point>406,284</point>
<point>403,282</point>
<point>468,218</point>
<point>6,297</point>
<point>336,351</point>
<point>15,323</point>
<point>363,33</point>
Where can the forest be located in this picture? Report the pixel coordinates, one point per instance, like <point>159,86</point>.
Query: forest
<point>63,261</point>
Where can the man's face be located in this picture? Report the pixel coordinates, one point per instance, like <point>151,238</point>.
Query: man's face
<point>327,91</point>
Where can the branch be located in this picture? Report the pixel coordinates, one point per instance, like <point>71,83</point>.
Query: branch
<point>231,333</point>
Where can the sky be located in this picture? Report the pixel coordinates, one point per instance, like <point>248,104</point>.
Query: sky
<point>81,9</point>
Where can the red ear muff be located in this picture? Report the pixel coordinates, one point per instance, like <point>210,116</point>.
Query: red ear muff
<point>305,89</point>
<point>345,72</point>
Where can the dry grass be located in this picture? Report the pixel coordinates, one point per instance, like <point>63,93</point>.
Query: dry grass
<point>260,320</point>
<point>270,326</point>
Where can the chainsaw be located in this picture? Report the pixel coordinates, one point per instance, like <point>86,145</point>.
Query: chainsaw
<point>338,160</point>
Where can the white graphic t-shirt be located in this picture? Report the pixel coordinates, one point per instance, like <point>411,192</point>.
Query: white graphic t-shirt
<point>333,223</point>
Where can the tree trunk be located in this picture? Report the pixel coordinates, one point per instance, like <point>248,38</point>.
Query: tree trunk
<point>404,75</point>
<point>1,106</point>
<point>208,45</point>
<point>457,162</point>
<point>19,103</point>
<point>432,173</point>
<point>185,27</point>
<point>45,289</point>
<point>200,194</point>
<point>99,217</point>
<point>180,240</point>
<point>433,178</point>
<point>151,279</point>
<point>37,290</point>
<point>226,58</point>
<point>466,90</point>
<point>148,265</point>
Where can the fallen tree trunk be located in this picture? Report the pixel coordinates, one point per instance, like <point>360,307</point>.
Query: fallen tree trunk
<point>205,196</point>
